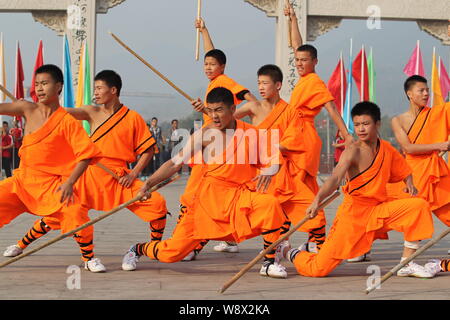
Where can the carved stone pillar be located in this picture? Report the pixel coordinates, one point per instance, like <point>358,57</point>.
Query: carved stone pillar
<point>284,56</point>
<point>76,18</point>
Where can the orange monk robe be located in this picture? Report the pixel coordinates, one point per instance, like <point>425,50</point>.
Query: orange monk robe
<point>226,82</point>
<point>225,205</point>
<point>48,157</point>
<point>224,195</point>
<point>121,138</point>
<point>431,173</point>
<point>292,193</point>
<point>308,97</point>
<point>366,212</point>
<point>238,93</point>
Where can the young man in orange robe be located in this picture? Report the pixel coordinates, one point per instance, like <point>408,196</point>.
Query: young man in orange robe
<point>121,134</point>
<point>366,212</point>
<point>214,67</point>
<point>273,113</point>
<point>226,204</point>
<point>55,152</point>
<point>308,98</point>
<point>422,133</point>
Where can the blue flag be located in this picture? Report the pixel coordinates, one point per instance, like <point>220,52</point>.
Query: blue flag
<point>348,99</point>
<point>69,100</point>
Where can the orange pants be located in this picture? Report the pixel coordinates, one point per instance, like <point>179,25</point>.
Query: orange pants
<point>265,219</point>
<point>410,216</point>
<point>295,208</point>
<point>443,213</point>
<point>69,217</point>
<point>152,210</point>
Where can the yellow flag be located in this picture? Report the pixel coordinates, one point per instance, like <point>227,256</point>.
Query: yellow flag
<point>2,69</point>
<point>80,88</point>
<point>436,84</point>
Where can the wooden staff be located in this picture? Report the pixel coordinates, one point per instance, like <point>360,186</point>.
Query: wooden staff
<point>429,244</point>
<point>184,94</point>
<point>289,21</point>
<point>87,224</point>
<point>197,45</point>
<point>7,93</point>
<point>273,245</point>
<point>101,166</point>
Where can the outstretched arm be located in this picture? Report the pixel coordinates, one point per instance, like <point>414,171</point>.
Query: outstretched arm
<point>17,108</point>
<point>245,110</point>
<point>81,113</point>
<point>332,183</point>
<point>67,187</point>
<point>337,119</point>
<point>413,148</point>
<point>296,37</point>
<point>127,180</point>
<point>250,97</point>
<point>172,166</point>
<point>207,42</point>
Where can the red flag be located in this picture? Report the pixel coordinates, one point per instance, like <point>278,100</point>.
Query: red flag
<point>18,89</point>
<point>337,84</point>
<point>360,73</point>
<point>445,80</point>
<point>415,64</point>
<point>39,62</point>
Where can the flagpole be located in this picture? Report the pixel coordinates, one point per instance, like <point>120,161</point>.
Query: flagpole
<point>61,98</point>
<point>363,54</point>
<point>433,61</point>
<point>342,83</point>
<point>417,56</point>
<point>347,114</point>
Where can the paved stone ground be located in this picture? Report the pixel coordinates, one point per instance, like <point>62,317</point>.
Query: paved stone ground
<point>43,275</point>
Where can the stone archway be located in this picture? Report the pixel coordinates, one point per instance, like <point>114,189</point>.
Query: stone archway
<point>316,17</point>
<point>76,18</point>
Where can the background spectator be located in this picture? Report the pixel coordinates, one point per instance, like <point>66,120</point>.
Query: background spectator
<point>6,148</point>
<point>17,135</point>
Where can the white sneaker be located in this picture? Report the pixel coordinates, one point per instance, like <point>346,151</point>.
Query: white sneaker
<point>226,247</point>
<point>273,270</point>
<point>282,250</point>
<point>94,265</point>
<point>190,257</point>
<point>433,266</point>
<point>292,253</point>
<point>364,257</point>
<point>130,260</point>
<point>12,251</point>
<point>413,269</point>
<point>309,246</point>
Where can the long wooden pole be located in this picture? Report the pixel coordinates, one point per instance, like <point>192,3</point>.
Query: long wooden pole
<point>409,259</point>
<point>197,44</point>
<point>184,94</point>
<point>7,93</point>
<point>289,22</point>
<point>87,224</point>
<point>273,245</point>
